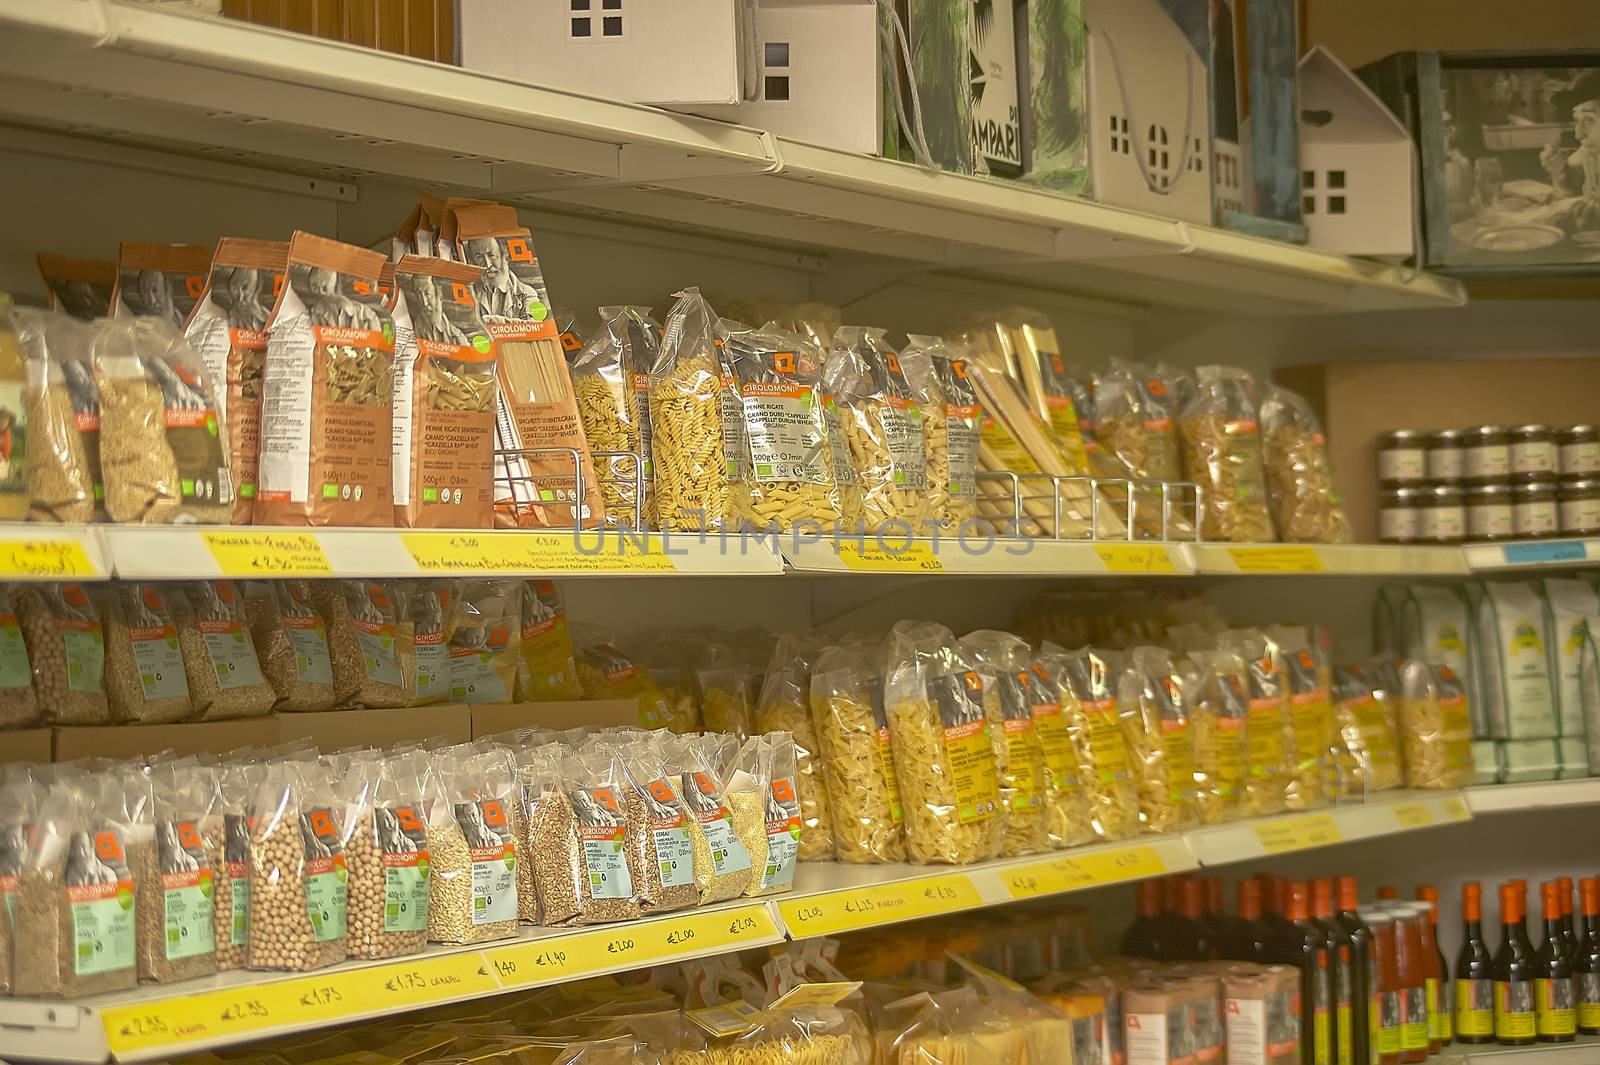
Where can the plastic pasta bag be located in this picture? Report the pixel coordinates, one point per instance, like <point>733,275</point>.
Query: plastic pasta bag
<point>611,382</point>
<point>809,1035</point>
<point>1310,720</point>
<point>145,681</point>
<point>472,849</point>
<point>547,672</point>
<point>298,893</point>
<point>373,650</point>
<point>722,866</point>
<point>883,428</point>
<point>1269,736</point>
<point>63,423</point>
<point>177,938</point>
<point>783,707</point>
<point>606,673</point>
<point>1154,709</point>
<point>1222,454</point>
<point>610,855</point>
<point>857,755</point>
<point>1001,661</point>
<point>1435,727</point>
<point>1134,421</point>
<point>485,638</point>
<point>550,869</point>
<point>428,607</point>
<point>65,640</point>
<point>1365,734</point>
<point>1067,801</point>
<point>1087,687</point>
<point>1305,499</point>
<point>952,428</point>
<point>654,803</point>
<point>675,681</point>
<point>695,449</point>
<point>1221,716</point>
<point>291,639</point>
<point>724,689</point>
<point>943,754</point>
<point>225,678</point>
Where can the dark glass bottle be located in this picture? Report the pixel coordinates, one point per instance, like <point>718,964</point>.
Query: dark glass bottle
<point>1190,938</point>
<point>1442,1005</point>
<point>1316,978</point>
<point>1587,978</point>
<point>1514,966</point>
<point>1251,940</point>
<point>1274,903</point>
<point>1569,929</point>
<point>1363,972</point>
<point>1140,940</point>
<point>1475,991</point>
<point>1341,958</point>
<point>1216,916</point>
<point>1555,1020</point>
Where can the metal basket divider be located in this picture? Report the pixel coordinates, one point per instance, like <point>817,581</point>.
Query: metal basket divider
<point>1167,494</point>
<point>637,481</point>
<point>994,501</point>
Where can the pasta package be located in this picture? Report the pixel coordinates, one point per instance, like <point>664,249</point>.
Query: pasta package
<point>445,393</point>
<point>1087,687</point>
<point>228,330</point>
<point>606,673</point>
<point>943,754</point>
<point>857,755</point>
<point>952,428</point>
<point>80,288</point>
<point>1001,661</point>
<point>693,426</point>
<point>611,379</point>
<point>1435,727</point>
<point>668,668</point>
<point>1218,712</point>
<point>1365,733</point>
<point>882,426</point>
<point>548,671</point>
<point>1311,721</point>
<point>1134,420</point>
<point>723,686</point>
<point>1067,800</point>
<point>485,639</point>
<point>63,418</point>
<point>783,706</point>
<point>1050,385</point>
<point>1153,704</point>
<point>326,427</point>
<point>159,281</point>
<point>1222,454</point>
<point>537,408</point>
<point>1248,655</point>
<point>1300,482</point>
<point>1513,662</point>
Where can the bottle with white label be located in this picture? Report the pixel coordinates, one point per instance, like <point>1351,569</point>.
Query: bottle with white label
<point>1402,458</point>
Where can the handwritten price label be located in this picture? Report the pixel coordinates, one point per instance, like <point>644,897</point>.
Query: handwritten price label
<point>1298,833</point>
<point>1413,815</point>
<point>843,911</point>
<point>246,553</point>
<point>521,553</point>
<point>875,558</point>
<point>1135,558</point>
<point>1081,871</point>
<point>45,560</point>
<point>1455,808</point>
<point>1276,559</point>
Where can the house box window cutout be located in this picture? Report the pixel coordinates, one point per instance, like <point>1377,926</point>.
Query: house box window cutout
<point>581,25</point>
<point>1120,143</point>
<point>775,86</point>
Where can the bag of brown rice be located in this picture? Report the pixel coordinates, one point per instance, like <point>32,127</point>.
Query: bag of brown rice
<point>291,638</point>
<point>78,287</point>
<point>326,425</point>
<point>373,649</point>
<point>485,637</point>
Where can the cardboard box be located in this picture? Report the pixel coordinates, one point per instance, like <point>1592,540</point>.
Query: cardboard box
<point>589,713</point>
<point>332,729</point>
<point>25,745</point>
<point>191,737</point>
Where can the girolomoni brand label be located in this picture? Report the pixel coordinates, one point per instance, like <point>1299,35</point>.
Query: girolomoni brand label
<point>186,886</point>
<point>405,868</point>
<point>494,860</point>
<point>958,697</point>
<point>99,889</point>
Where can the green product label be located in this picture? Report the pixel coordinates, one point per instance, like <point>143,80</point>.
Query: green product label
<point>187,890</point>
<point>232,654</point>
<point>160,664</point>
<point>405,897</point>
<point>14,669</point>
<point>473,678</point>
<point>433,672</point>
<point>102,907</point>
<point>86,655</point>
<point>378,654</point>
<point>326,899</point>
<point>311,661</point>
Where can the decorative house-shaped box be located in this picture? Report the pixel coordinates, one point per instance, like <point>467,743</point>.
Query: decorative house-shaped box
<point>1255,160</point>
<point>1357,163</point>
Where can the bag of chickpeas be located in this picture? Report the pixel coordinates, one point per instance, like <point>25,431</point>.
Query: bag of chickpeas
<point>173,909</point>
<point>882,426</point>
<point>62,629</point>
<point>225,678</point>
<point>472,852</point>
<point>387,858</point>
<point>298,872</point>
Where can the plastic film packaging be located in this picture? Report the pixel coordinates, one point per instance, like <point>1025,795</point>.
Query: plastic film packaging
<point>1153,706</point>
<point>225,678</point>
<point>1305,500</point>
<point>227,839</point>
<point>857,755</point>
<point>1086,684</point>
<point>79,287</point>
<point>1365,733</point>
<point>783,706</point>
<point>1310,718</point>
<point>387,856</point>
<point>298,875</point>
<point>19,703</point>
<point>19,806</point>
<point>1513,661</point>
<point>1135,420</point>
<point>943,753</point>
<point>610,841</point>
<point>675,681</point>
<point>724,691</point>
<point>611,381</point>
<point>485,639</point>
<point>604,672</point>
<point>1435,727</point>
<point>63,418</point>
<point>1269,733</point>
<point>547,671</point>
<point>695,449</point>
<point>771,760</point>
<point>548,887</point>
<point>937,374</point>
<point>1067,811</point>
<point>722,866</point>
<point>472,847</point>
<point>144,670</point>
<point>1572,620</point>
<point>810,1035</point>
<point>373,648</point>
<point>173,909</point>
<point>883,428</point>
<point>1222,454</point>
<point>1001,661</point>
<point>1218,714</point>
<point>65,641</point>
<point>428,607</point>
<point>291,639</point>
<point>655,805</point>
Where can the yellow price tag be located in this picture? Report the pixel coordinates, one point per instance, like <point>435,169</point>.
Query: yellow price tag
<point>557,958</point>
<point>912,557</point>
<point>1080,871</point>
<point>866,907</point>
<point>1284,559</point>
<point>248,553</point>
<point>41,559</point>
<point>519,553</point>
<point>1455,808</point>
<point>1298,833</point>
<point>1413,815</point>
<point>1135,558</point>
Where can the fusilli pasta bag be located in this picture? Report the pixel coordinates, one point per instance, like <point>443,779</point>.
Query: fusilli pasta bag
<point>1067,800</point>
<point>1086,686</point>
<point>1364,732</point>
<point>1435,726</point>
<point>1220,745</point>
<point>943,756</point>
<point>1002,660</point>
<point>611,382</point>
<point>937,374</point>
<point>695,449</point>
<point>1154,710</point>
<point>1311,721</point>
<point>857,755</point>
<point>1269,739</point>
<point>1305,500</point>
<point>1222,454</point>
<point>883,428</point>
<point>784,706</point>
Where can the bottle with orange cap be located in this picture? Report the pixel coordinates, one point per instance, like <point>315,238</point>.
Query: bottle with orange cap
<point>1142,937</point>
<point>1474,1015</point>
<point>1555,1019</point>
<point>1514,966</point>
<point>1190,938</point>
<point>1587,977</point>
<point>1251,940</point>
<point>1439,1011</point>
<point>1363,973</point>
<point>1341,958</point>
<point>1310,955</point>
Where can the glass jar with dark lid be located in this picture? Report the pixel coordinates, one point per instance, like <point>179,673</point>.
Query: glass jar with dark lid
<point>1486,454</point>
<point>1579,504</point>
<point>1534,510</point>
<point>1489,515</point>
<point>1402,458</point>
<point>1446,459</point>
<point>1441,515</point>
<point>1533,452</point>
<point>1399,510</point>
<point>1579,450</point>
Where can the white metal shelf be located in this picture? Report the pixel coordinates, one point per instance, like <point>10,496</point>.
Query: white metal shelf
<point>1510,798</point>
<point>1585,1050</point>
<point>1344,559</point>
<point>1533,554</point>
<point>329,114</point>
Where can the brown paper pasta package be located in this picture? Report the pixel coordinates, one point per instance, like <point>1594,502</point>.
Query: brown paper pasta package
<point>611,377</point>
<point>445,392</point>
<point>882,426</point>
<point>537,406</point>
<point>79,287</point>
<point>326,426</point>
<point>160,281</point>
<point>228,330</point>
<point>694,421</point>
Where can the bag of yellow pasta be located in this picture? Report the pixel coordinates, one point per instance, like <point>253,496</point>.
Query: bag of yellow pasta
<point>606,673</point>
<point>806,1035</point>
<point>1364,732</point>
<point>1221,717</point>
<point>611,383</point>
<point>1310,719</point>
<point>1134,420</point>
<point>952,428</point>
<point>1269,738</point>
<point>723,686</point>
<point>882,427</point>
<point>547,672</point>
<point>667,664</point>
<point>1001,661</point>
<point>1222,454</point>
<point>1305,500</point>
<point>1067,800</point>
<point>1154,710</point>
<point>784,706</point>
<point>1085,684</point>
<point>857,755</point>
<point>943,755</point>
<point>1435,726</point>
<point>693,422</point>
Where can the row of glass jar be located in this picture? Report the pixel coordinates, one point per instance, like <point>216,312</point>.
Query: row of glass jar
<point>1433,513</point>
<point>1487,455</point>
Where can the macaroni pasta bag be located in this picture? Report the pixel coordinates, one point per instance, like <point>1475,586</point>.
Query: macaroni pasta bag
<point>1001,661</point>
<point>1154,709</point>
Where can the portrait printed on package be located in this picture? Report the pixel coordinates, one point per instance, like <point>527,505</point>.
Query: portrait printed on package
<point>338,300</point>
<point>512,286</point>
<point>161,280</point>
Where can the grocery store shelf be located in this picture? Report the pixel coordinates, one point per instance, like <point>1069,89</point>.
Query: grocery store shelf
<point>1262,837</point>
<point>1533,554</point>
<point>1506,798</point>
<point>325,115</point>
<point>38,552</point>
<point>1022,558</point>
<point>1585,1050</point>
<point>1379,560</point>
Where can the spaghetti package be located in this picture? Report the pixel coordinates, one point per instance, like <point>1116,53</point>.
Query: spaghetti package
<point>857,755</point>
<point>1222,454</point>
<point>159,281</point>
<point>786,467</point>
<point>944,756</point>
<point>1269,736</point>
<point>1085,683</point>
<point>228,330</point>
<point>952,426</point>
<point>1001,661</point>
<point>1364,732</point>
<point>1050,385</point>
<point>485,639</point>
<point>611,380</point>
<point>445,392</point>
<point>1153,704</point>
<point>1134,420</point>
<point>1305,499</point>
<point>326,426</point>
<point>63,418</point>
<point>882,427</point>
<point>547,672</point>
<point>694,422</point>
<point>784,706</point>
<point>1435,727</point>
<point>80,288</point>
<point>1218,707</point>
<point>604,672</point>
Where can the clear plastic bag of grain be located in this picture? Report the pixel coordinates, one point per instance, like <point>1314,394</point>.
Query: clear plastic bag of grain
<point>937,374</point>
<point>1220,709</point>
<point>606,672</point>
<point>1305,500</point>
<point>943,754</point>
<point>19,806</point>
<point>1374,763</point>
<point>298,872</point>
<point>857,754</point>
<point>1085,682</point>
<point>1154,707</point>
<point>63,423</point>
<point>429,608</point>
<point>723,686</point>
<point>1135,420</point>
<point>1249,655</point>
<point>783,706</point>
<point>769,760</point>
<point>62,629</point>
<point>227,839</point>
<point>473,852</point>
<point>883,429</point>
<point>291,638</point>
<point>722,866</point>
<point>387,856</point>
<point>654,803</point>
<point>738,763</point>
<point>174,910</point>
<point>1067,818</point>
<point>548,671</point>
<point>611,382</point>
<point>693,421</point>
<point>144,676</point>
<point>225,678</point>
<point>485,639</point>
<point>610,834</point>
<point>73,907</point>
<point>668,664</point>
<point>1221,436</point>
<point>548,874</point>
<point>373,648</point>
<point>1001,661</point>
<point>1435,726</point>
<point>19,702</point>
<point>163,447</point>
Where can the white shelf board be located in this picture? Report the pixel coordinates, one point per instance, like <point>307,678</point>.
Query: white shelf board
<point>330,114</point>
<point>1509,798</point>
<point>1379,560</point>
<point>1021,557</point>
<point>1262,837</point>
<point>1533,554</point>
<point>1585,1050</point>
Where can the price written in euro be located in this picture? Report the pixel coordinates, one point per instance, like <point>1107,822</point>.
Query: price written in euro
<point>897,558</point>
<point>247,553</point>
<point>45,559</point>
<point>1298,833</point>
<point>1413,815</point>
<point>843,911</point>
<point>520,553</point>
<point>1135,558</point>
<point>1276,559</point>
<point>1083,870</point>
<point>321,996</point>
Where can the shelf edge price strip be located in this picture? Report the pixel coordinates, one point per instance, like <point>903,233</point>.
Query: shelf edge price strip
<point>1298,833</point>
<point>46,559</point>
<point>532,552</point>
<point>1276,559</point>
<point>843,911</point>
<point>1135,558</point>
<point>554,959</point>
<point>876,558</point>
<point>248,553</point>
<point>1073,872</point>
<point>248,1010</point>
<point>1413,815</point>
